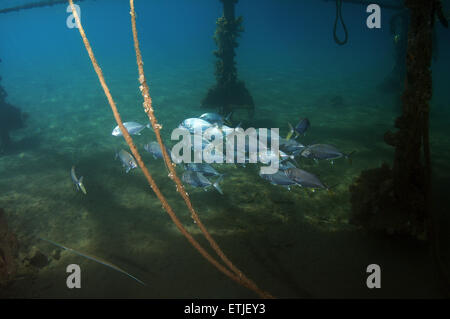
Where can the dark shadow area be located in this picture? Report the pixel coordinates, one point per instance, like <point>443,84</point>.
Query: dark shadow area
<point>11,118</point>
<point>25,144</point>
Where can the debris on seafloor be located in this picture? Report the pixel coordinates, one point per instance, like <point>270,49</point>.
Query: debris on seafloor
<point>37,259</point>
<point>8,252</point>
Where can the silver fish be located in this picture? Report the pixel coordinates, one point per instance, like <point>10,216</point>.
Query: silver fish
<point>197,139</point>
<point>303,178</point>
<point>291,146</point>
<point>323,151</point>
<point>78,182</point>
<point>133,128</point>
<point>285,165</point>
<point>197,179</point>
<point>271,155</point>
<point>215,118</point>
<point>193,124</point>
<point>279,178</point>
<point>228,130</point>
<point>203,168</point>
<point>154,149</point>
<point>222,131</point>
<point>127,160</point>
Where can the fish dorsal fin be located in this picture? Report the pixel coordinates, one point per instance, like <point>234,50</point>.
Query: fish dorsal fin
<point>291,131</point>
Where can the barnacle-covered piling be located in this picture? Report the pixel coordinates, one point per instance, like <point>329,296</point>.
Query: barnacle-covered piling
<point>397,199</point>
<point>229,93</point>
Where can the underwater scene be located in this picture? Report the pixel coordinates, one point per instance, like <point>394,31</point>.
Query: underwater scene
<point>354,101</point>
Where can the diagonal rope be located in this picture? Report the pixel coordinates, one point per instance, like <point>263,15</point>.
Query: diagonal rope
<point>144,169</point>
<point>171,166</point>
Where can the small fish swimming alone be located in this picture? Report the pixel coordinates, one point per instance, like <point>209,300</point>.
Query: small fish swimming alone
<point>197,179</point>
<point>78,182</point>
<point>299,129</point>
<point>133,128</point>
<point>323,152</point>
<point>96,259</point>
<point>154,149</point>
<point>127,160</point>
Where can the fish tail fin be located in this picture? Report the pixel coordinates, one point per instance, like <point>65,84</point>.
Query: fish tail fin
<point>216,184</point>
<point>330,188</point>
<point>291,131</point>
<point>81,186</point>
<point>348,156</point>
<point>227,119</point>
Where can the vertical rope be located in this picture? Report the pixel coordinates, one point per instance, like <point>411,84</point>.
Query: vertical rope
<point>339,16</point>
<point>144,169</point>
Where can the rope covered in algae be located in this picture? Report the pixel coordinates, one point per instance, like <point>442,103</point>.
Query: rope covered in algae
<point>239,279</point>
<point>173,174</point>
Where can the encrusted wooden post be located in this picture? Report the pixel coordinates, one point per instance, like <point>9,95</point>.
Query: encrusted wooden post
<point>396,200</point>
<point>229,93</point>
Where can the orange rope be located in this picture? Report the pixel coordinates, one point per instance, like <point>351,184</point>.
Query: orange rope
<point>173,175</point>
<point>144,169</point>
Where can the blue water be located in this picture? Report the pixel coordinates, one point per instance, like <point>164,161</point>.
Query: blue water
<point>292,243</point>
